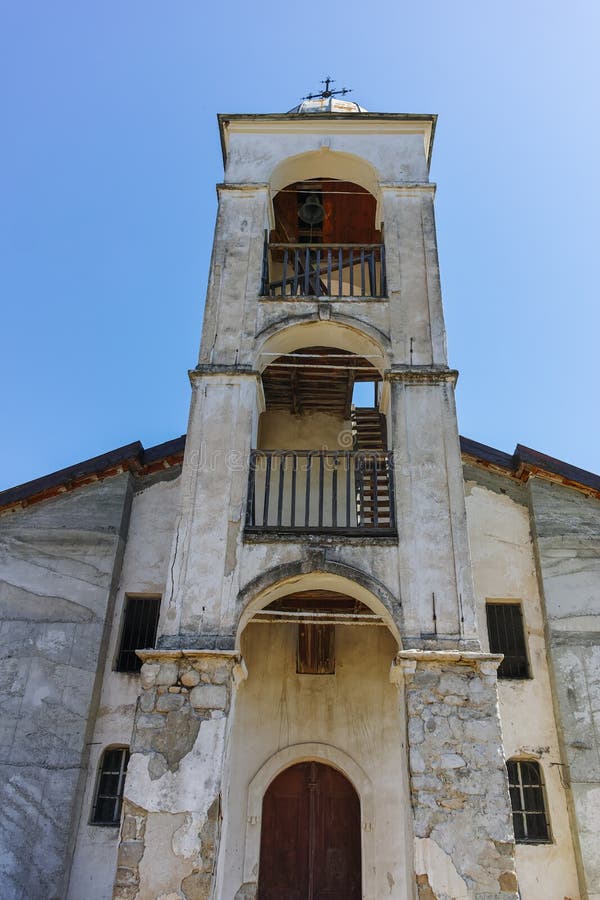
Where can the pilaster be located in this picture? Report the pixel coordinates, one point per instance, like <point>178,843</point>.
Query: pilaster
<point>203,571</point>
<point>172,799</point>
<point>464,843</point>
<point>433,551</point>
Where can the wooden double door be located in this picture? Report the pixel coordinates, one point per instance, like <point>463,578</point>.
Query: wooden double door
<point>310,836</point>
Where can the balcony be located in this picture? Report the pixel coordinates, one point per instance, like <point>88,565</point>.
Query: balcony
<point>338,271</point>
<point>321,491</point>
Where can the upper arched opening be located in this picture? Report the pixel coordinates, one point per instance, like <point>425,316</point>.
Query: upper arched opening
<point>326,237</point>
<point>364,341</point>
<point>325,211</point>
<point>320,597</point>
<point>325,164</point>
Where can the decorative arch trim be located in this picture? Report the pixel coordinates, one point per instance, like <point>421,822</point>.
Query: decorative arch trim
<point>326,163</point>
<point>344,332</point>
<point>317,572</point>
<point>331,756</point>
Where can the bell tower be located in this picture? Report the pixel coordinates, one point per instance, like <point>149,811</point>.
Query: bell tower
<point>320,609</point>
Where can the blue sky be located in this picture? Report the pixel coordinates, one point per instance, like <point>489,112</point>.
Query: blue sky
<point>110,154</point>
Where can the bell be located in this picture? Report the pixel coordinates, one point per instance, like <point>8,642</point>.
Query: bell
<point>312,210</point>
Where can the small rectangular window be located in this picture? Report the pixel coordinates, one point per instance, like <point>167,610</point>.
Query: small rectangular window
<point>316,649</point>
<point>507,635</point>
<point>140,622</point>
<point>109,787</point>
<point>528,802</point>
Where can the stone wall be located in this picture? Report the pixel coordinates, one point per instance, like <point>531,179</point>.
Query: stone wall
<point>172,799</point>
<point>464,845</point>
<point>566,526</point>
<point>60,562</point>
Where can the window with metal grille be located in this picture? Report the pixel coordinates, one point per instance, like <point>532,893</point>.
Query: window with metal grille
<point>140,622</point>
<point>528,803</point>
<point>109,787</point>
<point>507,635</point>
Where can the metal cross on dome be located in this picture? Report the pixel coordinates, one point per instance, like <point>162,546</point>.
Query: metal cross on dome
<point>326,93</point>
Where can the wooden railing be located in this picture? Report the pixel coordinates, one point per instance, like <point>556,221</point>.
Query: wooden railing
<point>324,270</point>
<point>307,491</point>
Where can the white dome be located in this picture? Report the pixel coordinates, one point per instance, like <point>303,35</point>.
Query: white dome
<point>327,105</point>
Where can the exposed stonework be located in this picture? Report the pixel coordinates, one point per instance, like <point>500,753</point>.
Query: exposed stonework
<point>178,741</point>
<point>462,821</point>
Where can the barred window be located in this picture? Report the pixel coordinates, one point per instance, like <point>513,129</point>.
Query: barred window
<point>528,802</point>
<point>507,635</point>
<point>140,622</point>
<point>109,786</point>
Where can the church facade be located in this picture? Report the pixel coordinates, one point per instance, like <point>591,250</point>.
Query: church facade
<point>321,647</point>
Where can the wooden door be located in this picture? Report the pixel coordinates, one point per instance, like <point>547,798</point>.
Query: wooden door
<point>310,837</point>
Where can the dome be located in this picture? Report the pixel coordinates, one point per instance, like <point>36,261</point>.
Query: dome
<point>327,105</point>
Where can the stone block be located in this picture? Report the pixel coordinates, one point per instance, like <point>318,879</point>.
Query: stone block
<point>129,828</point>
<point>167,674</point>
<point>148,674</point>
<point>209,696</point>
<point>130,853</point>
<point>169,702</point>
<point>177,737</point>
<point>147,700</point>
<point>196,886</point>
<point>190,678</point>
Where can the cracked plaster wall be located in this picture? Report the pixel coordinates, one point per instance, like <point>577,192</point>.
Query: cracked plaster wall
<point>60,560</point>
<point>504,568</point>
<point>566,526</point>
<point>144,571</point>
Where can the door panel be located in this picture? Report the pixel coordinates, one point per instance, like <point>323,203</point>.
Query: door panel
<point>310,837</point>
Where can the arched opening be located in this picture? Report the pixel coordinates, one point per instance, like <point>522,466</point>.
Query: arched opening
<point>325,241</point>
<point>322,460</point>
<point>346,716</point>
<point>308,593</point>
<point>310,836</point>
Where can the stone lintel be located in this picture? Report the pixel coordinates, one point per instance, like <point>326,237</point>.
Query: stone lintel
<point>406,661</point>
<point>422,375</point>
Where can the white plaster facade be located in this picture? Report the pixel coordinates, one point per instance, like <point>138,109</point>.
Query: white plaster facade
<point>414,716</point>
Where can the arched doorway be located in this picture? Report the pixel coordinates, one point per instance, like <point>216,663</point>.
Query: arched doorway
<point>310,838</point>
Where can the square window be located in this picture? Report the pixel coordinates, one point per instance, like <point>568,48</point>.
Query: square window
<point>507,635</point>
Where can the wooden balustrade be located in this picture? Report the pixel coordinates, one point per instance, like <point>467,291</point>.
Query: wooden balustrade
<point>324,270</point>
<point>344,492</point>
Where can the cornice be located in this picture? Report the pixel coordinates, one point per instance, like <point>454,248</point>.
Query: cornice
<point>422,375</point>
<point>203,371</point>
<point>410,188</point>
